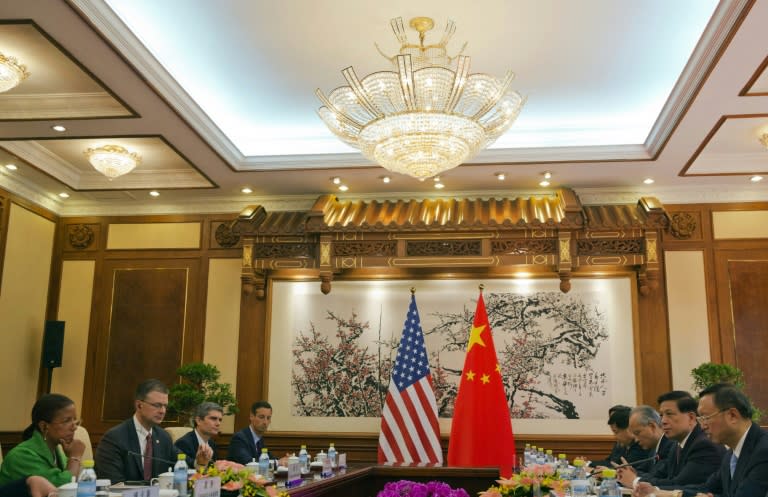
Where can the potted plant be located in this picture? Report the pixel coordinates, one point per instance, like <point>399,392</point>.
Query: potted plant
<point>199,384</point>
<point>710,373</point>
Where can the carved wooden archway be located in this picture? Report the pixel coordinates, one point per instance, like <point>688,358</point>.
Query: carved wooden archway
<point>548,233</point>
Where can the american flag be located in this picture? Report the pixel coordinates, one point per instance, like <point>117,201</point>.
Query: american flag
<point>409,428</point>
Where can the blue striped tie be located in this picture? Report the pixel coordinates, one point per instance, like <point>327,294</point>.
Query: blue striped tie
<point>734,459</point>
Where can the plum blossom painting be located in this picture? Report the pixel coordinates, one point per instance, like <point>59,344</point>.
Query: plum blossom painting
<point>562,356</point>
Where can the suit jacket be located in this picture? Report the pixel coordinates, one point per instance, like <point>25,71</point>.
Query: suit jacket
<point>636,453</point>
<point>661,453</point>
<point>750,478</point>
<point>118,455</point>
<point>615,456</point>
<point>188,444</point>
<point>697,461</point>
<point>242,449</point>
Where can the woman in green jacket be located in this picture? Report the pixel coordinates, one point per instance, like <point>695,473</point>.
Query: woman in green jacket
<point>49,448</point>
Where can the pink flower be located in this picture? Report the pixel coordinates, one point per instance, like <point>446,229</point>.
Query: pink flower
<point>232,485</point>
<point>223,465</point>
<point>492,492</point>
<point>271,491</point>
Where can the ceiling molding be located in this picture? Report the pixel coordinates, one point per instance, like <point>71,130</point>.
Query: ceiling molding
<point>725,21</point>
<point>18,185</point>
<point>129,46</point>
<point>60,105</point>
<point>43,159</point>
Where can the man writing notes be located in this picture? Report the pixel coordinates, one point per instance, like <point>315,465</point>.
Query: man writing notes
<point>138,449</point>
<point>690,459</point>
<point>630,450</point>
<point>645,426</point>
<point>247,443</point>
<point>725,415</point>
<point>198,444</point>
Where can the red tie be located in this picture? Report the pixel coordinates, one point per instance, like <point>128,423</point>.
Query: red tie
<point>148,458</point>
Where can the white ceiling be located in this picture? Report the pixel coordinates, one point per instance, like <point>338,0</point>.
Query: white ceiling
<point>220,95</point>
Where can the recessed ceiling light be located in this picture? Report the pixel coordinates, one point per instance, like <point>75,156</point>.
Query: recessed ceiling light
<point>501,176</point>
<point>336,180</point>
<point>64,195</point>
<point>756,178</point>
<point>649,181</point>
<point>11,167</point>
<point>543,183</point>
<point>439,185</point>
<point>547,175</point>
<point>59,128</point>
<point>386,179</point>
<point>246,190</point>
<point>154,193</point>
<point>436,179</point>
<point>343,188</point>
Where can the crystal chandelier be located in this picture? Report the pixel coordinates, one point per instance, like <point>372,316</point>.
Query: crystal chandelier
<point>428,116</point>
<point>112,160</point>
<point>11,72</point>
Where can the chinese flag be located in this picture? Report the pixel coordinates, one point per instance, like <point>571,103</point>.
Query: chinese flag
<point>481,431</point>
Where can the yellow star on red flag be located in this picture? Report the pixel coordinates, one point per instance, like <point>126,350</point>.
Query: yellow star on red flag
<point>481,430</point>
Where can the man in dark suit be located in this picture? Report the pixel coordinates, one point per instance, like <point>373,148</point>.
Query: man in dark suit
<point>690,459</point>
<point>618,449</point>
<point>247,443</point>
<point>138,449</point>
<point>725,415</point>
<point>629,449</point>
<point>198,444</point>
<point>645,426</point>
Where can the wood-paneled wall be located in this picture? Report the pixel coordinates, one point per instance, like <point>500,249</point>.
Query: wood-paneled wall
<point>736,287</point>
<point>736,275</point>
<point>148,308</point>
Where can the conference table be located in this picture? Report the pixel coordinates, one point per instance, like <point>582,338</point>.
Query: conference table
<point>369,480</point>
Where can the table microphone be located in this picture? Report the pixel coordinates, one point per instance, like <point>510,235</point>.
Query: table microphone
<point>595,471</point>
<point>142,456</point>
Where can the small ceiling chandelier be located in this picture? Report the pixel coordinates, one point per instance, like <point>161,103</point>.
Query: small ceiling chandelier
<point>112,160</point>
<point>11,72</point>
<point>764,139</point>
<point>429,116</point>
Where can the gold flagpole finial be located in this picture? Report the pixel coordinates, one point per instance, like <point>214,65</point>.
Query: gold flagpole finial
<point>481,287</point>
<point>413,290</point>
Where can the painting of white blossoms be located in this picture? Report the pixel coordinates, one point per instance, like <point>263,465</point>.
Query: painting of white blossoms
<point>562,356</point>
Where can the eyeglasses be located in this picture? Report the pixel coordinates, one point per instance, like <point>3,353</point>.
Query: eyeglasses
<point>705,419</point>
<point>156,405</point>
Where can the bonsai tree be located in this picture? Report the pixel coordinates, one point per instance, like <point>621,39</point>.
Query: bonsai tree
<point>199,384</point>
<point>710,373</point>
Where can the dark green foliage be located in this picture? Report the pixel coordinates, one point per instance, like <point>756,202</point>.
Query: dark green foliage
<point>199,384</point>
<point>709,373</point>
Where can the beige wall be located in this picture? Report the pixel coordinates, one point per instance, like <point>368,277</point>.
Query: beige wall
<point>153,236</point>
<point>75,309</point>
<point>23,300</point>
<point>687,305</point>
<point>222,323</point>
<point>739,224</point>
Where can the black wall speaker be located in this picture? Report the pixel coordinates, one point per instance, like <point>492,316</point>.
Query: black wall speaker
<point>53,344</point>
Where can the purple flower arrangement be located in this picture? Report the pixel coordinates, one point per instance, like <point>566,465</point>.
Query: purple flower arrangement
<point>406,488</point>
